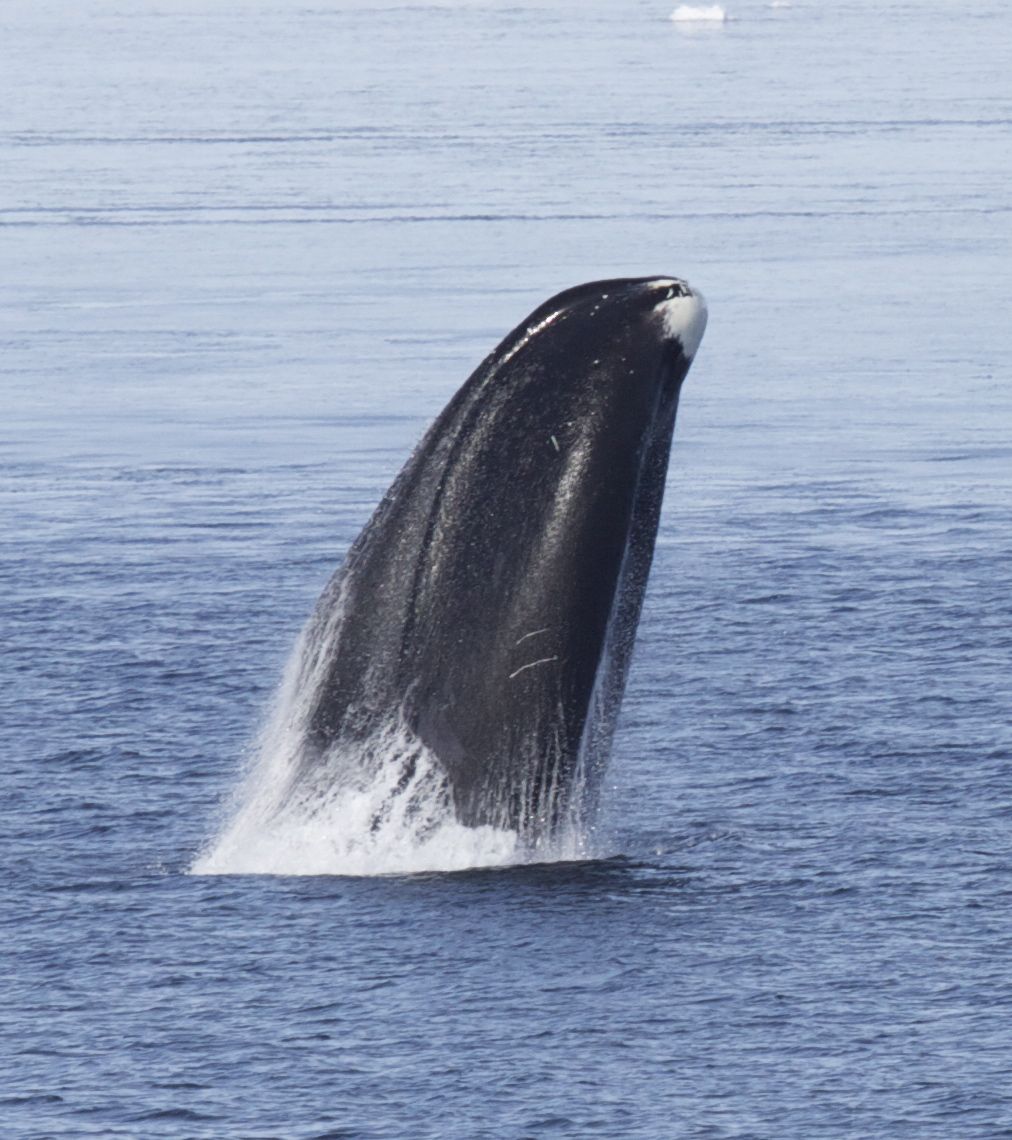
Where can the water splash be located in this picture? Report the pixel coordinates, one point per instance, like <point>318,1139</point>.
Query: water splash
<point>397,821</point>
<point>373,807</point>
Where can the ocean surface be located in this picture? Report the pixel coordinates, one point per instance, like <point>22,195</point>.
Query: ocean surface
<point>249,250</point>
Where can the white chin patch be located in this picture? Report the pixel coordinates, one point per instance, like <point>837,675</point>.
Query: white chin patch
<point>684,320</point>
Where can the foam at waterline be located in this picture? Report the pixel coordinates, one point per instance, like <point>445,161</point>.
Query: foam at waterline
<point>394,819</point>
<point>389,812</point>
<point>691,13</point>
<point>378,807</point>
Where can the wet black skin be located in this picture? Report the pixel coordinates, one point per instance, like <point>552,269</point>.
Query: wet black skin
<point>522,525</point>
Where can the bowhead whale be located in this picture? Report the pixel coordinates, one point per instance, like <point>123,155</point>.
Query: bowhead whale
<point>490,605</point>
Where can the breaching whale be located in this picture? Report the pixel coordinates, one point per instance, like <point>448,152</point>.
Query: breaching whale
<point>487,611</point>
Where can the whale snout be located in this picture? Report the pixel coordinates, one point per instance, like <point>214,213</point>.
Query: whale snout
<point>674,287</point>
<point>682,311</point>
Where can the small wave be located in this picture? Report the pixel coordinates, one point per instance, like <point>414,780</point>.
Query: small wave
<point>188,1115</point>
<point>691,13</point>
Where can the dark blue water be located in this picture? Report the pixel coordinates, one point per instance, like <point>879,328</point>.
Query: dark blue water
<point>249,250</point>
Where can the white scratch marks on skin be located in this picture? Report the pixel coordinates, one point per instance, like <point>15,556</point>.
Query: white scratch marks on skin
<point>533,633</point>
<point>531,664</point>
<point>528,335</point>
<point>555,443</point>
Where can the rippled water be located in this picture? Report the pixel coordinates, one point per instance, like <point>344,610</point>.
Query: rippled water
<point>249,251</point>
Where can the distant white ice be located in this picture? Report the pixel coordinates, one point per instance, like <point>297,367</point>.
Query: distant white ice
<point>693,13</point>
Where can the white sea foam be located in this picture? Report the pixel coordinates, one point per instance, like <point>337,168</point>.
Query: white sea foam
<point>394,820</point>
<point>385,810</point>
<point>696,13</point>
<point>379,806</point>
